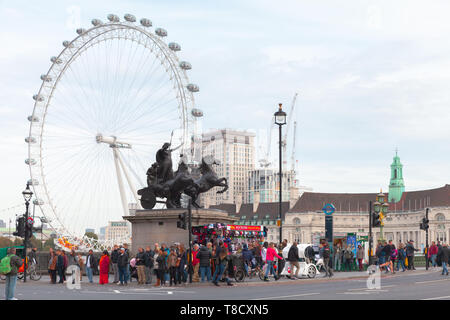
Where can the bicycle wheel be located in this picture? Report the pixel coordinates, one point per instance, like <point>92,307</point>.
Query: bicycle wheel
<point>239,275</point>
<point>261,274</point>
<point>2,277</point>
<point>35,276</point>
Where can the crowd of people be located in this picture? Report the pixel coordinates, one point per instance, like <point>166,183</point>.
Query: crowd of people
<point>391,258</point>
<point>212,262</point>
<point>169,265</point>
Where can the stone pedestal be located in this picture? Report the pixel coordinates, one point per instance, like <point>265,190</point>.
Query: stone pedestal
<point>160,226</point>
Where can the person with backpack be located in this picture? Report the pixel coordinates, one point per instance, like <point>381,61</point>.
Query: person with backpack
<point>348,258</point>
<point>325,254</point>
<point>9,266</point>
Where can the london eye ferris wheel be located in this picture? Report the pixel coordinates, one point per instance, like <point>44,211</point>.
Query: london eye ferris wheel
<point>109,100</point>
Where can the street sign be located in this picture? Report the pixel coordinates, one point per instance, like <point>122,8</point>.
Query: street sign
<point>328,209</point>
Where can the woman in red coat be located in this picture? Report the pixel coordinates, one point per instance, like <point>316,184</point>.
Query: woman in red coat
<point>104,267</point>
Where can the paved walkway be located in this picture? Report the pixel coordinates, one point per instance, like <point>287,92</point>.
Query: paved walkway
<point>247,282</point>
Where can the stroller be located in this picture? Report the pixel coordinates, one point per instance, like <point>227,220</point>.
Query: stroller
<point>133,270</point>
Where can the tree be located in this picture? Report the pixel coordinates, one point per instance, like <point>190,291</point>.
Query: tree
<point>48,244</point>
<point>5,242</point>
<point>91,235</point>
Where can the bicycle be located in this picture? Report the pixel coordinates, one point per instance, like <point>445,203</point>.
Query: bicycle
<point>240,274</point>
<point>31,272</point>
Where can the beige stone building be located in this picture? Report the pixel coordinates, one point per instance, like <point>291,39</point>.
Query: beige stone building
<point>306,220</point>
<point>118,232</point>
<point>234,151</point>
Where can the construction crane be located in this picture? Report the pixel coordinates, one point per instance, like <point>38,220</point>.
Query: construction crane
<point>265,162</point>
<point>289,124</point>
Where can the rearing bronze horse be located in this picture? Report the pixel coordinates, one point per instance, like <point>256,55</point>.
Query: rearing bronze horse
<point>207,181</point>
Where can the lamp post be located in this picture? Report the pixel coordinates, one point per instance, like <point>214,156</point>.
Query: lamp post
<point>280,120</point>
<point>27,194</point>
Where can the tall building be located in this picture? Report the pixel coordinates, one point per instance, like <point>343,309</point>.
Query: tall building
<point>234,151</point>
<point>396,185</point>
<point>264,186</point>
<point>118,231</point>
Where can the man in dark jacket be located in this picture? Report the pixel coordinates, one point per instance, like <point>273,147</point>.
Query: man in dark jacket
<point>247,256</point>
<point>204,256</point>
<point>293,259</point>
<point>91,265</point>
<point>122,264</point>
<point>444,255</point>
<point>114,259</point>
<point>410,254</point>
<point>140,265</point>
<point>148,258</point>
<point>60,266</point>
<point>11,277</point>
<point>325,254</point>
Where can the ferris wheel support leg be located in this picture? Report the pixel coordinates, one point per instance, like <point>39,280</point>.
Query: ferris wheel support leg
<point>119,179</point>
<point>130,183</point>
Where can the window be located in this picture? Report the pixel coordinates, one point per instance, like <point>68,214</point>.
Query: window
<point>296,221</point>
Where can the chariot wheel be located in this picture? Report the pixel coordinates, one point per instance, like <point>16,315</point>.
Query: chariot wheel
<point>148,198</point>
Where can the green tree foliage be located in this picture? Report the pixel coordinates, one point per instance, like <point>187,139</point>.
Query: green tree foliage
<point>91,235</point>
<point>5,242</point>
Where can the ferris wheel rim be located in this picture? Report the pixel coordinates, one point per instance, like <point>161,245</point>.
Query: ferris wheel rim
<point>87,37</point>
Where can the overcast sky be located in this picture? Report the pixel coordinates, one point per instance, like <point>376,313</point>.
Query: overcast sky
<point>372,76</point>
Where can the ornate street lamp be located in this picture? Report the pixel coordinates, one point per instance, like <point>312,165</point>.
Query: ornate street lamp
<point>381,208</point>
<point>280,120</point>
<point>27,194</point>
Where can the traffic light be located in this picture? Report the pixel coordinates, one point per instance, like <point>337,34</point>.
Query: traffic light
<point>424,224</point>
<point>20,227</point>
<point>181,223</point>
<point>376,221</point>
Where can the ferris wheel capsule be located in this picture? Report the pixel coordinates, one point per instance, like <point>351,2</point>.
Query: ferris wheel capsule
<point>80,31</point>
<point>174,46</point>
<point>161,32</point>
<point>192,87</point>
<point>96,22</point>
<point>185,65</point>
<point>46,78</point>
<point>30,161</point>
<point>56,60</point>
<point>33,119</point>
<point>197,113</point>
<point>38,97</point>
<point>146,22</point>
<point>130,17</point>
<point>30,140</point>
<point>67,44</point>
<point>33,182</point>
<point>113,18</point>
<point>38,202</point>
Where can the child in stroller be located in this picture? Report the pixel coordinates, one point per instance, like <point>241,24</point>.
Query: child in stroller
<point>133,269</point>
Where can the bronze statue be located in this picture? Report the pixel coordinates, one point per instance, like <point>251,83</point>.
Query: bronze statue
<point>164,183</point>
